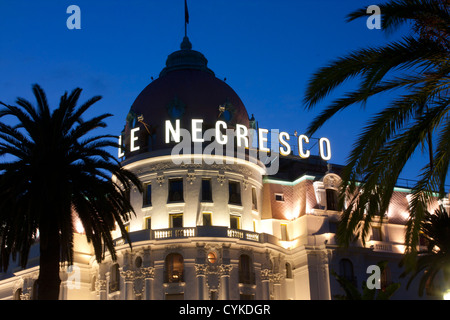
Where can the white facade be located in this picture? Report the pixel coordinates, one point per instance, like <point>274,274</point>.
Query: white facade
<point>232,252</point>
<point>219,227</point>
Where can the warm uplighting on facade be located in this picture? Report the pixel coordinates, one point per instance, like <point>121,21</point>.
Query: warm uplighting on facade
<point>447,295</point>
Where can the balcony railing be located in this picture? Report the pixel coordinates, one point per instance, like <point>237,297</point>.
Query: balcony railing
<point>191,232</point>
<point>209,231</point>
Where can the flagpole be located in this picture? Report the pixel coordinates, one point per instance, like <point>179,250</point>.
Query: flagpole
<point>186,17</point>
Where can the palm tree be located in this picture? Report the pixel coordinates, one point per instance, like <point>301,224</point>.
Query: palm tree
<point>434,260</point>
<point>55,171</point>
<point>417,68</point>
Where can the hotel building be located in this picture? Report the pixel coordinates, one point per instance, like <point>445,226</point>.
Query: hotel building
<point>218,226</point>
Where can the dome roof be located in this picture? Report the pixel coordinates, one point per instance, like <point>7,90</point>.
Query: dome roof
<point>186,89</point>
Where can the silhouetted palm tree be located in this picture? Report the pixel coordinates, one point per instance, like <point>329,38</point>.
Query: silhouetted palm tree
<point>55,172</point>
<point>418,66</point>
<point>434,261</point>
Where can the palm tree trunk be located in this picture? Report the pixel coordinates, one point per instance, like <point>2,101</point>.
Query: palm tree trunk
<point>49,281</point>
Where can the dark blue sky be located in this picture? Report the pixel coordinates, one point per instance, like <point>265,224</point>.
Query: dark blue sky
<point>266,49</point>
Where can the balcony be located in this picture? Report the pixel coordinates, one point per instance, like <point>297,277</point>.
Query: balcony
<point>196,232</point>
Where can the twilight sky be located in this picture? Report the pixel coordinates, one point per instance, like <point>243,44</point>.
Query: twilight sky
<point>266,49</point>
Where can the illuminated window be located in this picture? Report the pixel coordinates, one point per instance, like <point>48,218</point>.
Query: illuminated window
<point>176,220</point>
<point>175,190</point>
<point>234,222</point>
<point>284,234</point>
<point>174,268</point>
<point>147,196</point>
<point>234,190</point>
<point>148,223</point>
<point>206,190</point>
<point>207,220</point>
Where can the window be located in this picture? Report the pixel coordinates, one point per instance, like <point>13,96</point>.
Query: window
<point>175,190</point>
<point>18,294</point>
<point>147,196</point>
<point>176,220</point>
<point>206,190</point>
<point>288,270</point>
<point>207,220</point>
<point>173,268</point>
<point>245,270</point>
<point>284,234</point>
<point>234,222</point>
<point>279,197</point>
<point>234,190</point>
<point>332,199</point>
<point>254,199</point>
<point>376,234</point>
<point>148,223</point>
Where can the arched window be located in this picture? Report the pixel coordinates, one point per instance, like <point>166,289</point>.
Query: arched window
<point>346,270</point>
<point>246,274</point>
<point>17,294</point>
<point>114,278</point>
<point>174,268</point>
<point>288,271</point>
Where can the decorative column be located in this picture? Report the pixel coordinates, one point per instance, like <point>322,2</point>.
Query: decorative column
<point>128,276</point>
<point>102,281</point>
<point>101,285</point>
<point>200,270</point>
<point>225,270</point>
<point>265,280</point>
<point>277,277</point>
<point>149,275</point>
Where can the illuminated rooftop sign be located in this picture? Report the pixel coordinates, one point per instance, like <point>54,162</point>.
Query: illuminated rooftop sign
<point>240,139</point>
